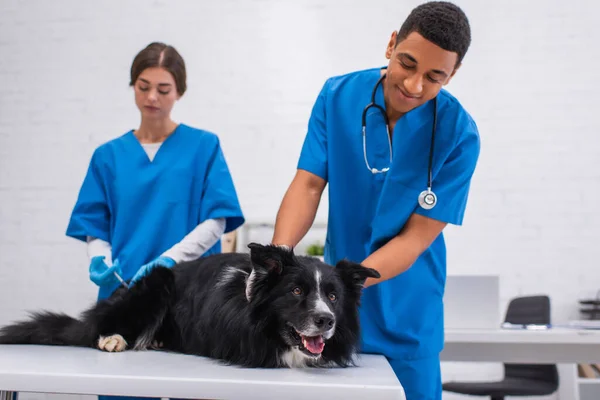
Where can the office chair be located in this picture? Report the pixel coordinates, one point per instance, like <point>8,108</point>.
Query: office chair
<point>519,379</point>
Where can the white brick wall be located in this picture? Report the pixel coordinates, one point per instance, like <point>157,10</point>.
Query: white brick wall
<point>255,67</point>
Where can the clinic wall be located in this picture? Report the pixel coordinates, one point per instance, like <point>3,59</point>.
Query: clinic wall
<point>255,68</point>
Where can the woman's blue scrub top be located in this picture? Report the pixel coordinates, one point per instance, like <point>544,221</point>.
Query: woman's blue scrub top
<point>142,207</point>
<point>402,317</point>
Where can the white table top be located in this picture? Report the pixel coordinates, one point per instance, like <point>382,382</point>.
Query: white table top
<point>555,345</point>
<point>552,335</point>
<point>56,369</point>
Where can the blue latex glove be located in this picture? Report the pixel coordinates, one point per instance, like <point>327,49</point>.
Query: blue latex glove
<point>144,270</point>
<point>102,275</point>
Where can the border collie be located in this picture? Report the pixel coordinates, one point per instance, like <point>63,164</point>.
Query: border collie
<point>268,309</point>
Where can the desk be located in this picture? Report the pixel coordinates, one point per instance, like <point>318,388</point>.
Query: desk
<point>562,346</point>
<point>70,370</point>
<point>556,345</point>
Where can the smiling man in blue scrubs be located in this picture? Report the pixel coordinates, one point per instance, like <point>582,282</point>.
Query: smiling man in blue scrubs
<point>375,216</point>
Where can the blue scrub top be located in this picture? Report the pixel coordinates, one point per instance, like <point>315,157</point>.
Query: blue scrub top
<point>402,317</point>
<point>143,207</point>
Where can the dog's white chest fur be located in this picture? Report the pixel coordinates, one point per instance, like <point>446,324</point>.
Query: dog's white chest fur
<point>294,358</point>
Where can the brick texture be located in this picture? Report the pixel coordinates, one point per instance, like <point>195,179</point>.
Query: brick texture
<point>255,68</point>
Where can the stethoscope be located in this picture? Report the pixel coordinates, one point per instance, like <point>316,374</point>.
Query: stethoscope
<point>427,199</point>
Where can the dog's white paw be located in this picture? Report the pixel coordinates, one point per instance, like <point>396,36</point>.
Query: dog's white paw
<point>112,343</point>
<point>156,345</point>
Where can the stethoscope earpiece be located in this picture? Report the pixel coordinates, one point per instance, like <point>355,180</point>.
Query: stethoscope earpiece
<point>427,199</point>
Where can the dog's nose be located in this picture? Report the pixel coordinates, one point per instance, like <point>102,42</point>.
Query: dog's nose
<point>323,320</point>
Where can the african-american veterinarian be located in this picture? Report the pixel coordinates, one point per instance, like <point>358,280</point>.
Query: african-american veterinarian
<point>388,204</point>
<point>156,195</point>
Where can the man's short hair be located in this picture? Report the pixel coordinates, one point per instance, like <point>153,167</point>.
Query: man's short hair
<point>442,23</point>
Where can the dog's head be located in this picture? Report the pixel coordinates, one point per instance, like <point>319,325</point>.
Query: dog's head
<point>314,305</point>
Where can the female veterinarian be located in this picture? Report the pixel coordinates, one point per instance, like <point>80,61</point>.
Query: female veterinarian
<point>156,195</point>
<point>398,153</point>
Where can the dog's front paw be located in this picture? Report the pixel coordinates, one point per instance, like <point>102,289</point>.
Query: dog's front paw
<point>112,343</point>
<point>156,345</point>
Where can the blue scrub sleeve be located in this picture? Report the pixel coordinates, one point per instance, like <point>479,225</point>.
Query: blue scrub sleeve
<point>219,198</point>
<point>452,183</point>
<point>313,156</point>
<point>91,213</point>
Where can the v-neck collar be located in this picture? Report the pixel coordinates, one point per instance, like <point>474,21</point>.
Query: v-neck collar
<point>140,147</point>
<point>411,120</point>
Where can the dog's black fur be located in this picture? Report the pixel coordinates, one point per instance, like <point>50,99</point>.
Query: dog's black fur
<point>243,309</point>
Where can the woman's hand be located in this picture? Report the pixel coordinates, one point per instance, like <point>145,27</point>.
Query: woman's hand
<point>144,270</point>
<point>102,274</point>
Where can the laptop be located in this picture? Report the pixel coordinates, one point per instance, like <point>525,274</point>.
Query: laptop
<point>472,302</point>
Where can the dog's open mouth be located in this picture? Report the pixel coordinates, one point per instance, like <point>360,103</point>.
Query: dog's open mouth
<point>310,345</point>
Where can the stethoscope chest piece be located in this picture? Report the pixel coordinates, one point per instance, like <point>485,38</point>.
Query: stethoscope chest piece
<point>427,199</point>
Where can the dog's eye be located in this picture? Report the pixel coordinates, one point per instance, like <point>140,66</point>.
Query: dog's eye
<point>332,297</point>
<point>297,291</point>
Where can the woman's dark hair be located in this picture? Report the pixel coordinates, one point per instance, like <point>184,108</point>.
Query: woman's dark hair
<point>158,54</point>
<point>442,23</point>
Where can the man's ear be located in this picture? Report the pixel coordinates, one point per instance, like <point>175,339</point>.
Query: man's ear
<point>355,275</point>
<point>391,46</point>
<point>452,74</point>
<point>269,258</point>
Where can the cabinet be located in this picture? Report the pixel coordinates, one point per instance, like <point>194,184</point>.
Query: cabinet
<point>574,386</point>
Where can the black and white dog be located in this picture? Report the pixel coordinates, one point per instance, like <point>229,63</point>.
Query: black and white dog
<point>269,308</point>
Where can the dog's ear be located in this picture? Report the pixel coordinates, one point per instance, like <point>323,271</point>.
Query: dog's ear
<point>355,274</point>
<point>269,258</point>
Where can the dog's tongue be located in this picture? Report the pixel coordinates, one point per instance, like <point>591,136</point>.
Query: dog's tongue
<point>314,344</point>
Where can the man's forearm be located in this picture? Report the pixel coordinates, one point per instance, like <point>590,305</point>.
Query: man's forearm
<point>296,214</point>
<point>392,259</point>
<point>400,253</point>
